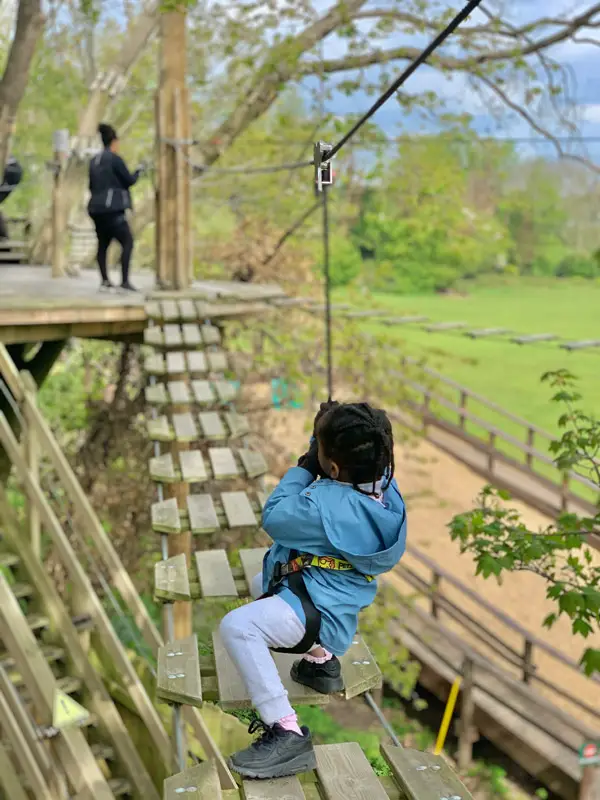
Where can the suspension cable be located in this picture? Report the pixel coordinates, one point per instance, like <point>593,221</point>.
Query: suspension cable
<point>327,287</point>
<point>420,59</point>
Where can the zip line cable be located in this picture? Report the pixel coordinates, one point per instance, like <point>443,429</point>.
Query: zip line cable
<point>328,337</point>
<point>420,59</point>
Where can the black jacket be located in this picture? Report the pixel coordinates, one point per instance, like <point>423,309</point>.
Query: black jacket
<point>13,172</point>
<point>109,184</point>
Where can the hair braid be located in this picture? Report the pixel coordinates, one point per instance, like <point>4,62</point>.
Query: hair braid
<point>359,439</point>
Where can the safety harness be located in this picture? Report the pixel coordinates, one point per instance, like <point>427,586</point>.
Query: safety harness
<point>292,570</point>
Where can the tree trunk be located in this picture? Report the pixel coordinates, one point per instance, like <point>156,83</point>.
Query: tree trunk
<point>30,23</point>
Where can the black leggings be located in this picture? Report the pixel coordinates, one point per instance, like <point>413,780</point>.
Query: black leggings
<point>109,227</point>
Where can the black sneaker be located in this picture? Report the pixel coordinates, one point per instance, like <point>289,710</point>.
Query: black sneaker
<point>325,678</point>
<point>106,286</point>
<point>127,287</point>
<point>275,754</point>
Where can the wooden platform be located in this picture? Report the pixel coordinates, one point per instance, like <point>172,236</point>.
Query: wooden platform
<point>35,307</point>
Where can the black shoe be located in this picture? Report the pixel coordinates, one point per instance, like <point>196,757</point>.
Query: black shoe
<point>106,286</point>
<point>275,754</point>
<point>127,287</point>
<point>325,678</point>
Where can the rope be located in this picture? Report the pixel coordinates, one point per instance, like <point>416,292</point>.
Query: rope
<point>328,337</point>
<point>420,59</point>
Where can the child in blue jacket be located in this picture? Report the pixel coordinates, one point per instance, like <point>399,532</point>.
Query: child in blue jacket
<point>331,538</point>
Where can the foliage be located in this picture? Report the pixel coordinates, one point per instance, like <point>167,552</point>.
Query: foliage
<point>500,541</point>
<point>345,263</point>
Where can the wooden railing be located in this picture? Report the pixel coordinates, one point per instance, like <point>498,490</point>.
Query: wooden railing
<point>441,403</point>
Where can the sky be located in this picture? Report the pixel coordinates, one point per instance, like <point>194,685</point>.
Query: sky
<point>582,60</point>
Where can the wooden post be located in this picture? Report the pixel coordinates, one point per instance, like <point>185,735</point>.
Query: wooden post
<point>182,543</point>
<point>32,451</point>
<point>529,454</point>
<point>463,406</point>
<point>527,660</point>
<point>491,445</point>
<point>435,585</point>
<point>61,153</point>
<point>173,131</point>
<point>564,492</point>
<point>467,734</point>
<point>589,788</point>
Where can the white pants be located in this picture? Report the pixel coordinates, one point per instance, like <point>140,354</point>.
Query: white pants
<point>248,632</point>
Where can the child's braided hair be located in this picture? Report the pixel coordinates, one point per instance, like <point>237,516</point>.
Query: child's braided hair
<point>359,439</point>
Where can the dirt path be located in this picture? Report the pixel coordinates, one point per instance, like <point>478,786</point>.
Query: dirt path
<point>435,488</point>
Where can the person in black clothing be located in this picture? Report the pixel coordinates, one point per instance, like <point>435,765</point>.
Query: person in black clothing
<point>13,173</point>
<point>110,181</point>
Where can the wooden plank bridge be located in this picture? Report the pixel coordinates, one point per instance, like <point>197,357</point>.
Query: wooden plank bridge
<point>209,482</point>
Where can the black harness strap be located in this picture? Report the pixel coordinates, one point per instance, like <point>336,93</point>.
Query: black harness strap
<point>295,583</point>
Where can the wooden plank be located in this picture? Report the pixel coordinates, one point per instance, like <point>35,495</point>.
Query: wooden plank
<point>444,326</point>
<point>193,468</point>
<point>187,310</point>
<point>278,789</point>
<point>237,423</point>
<point>536,337</point>
<point>222,463</point>
<point>191,335</point>
<point>83,586</point>
<point>153,336</point>
<point>156,395</point>
<point>254,463</point>
<point>71,746</point>
<point>404,320</point>
<point>9,779</point>
<point>232,693</point>
<point>203,392</point>
<point>176,364</point>
<point>345,773</point>
<point>212,426</point>
<point>481,333</point>
<point>238,510</point>
<point>226,391</point>
<point>154,364</point>
<point>185,427</point>
<point>581,345</point>
<point>178,679</point>
<point>165,516</point>
<point>202,512</point>
<point>252,562</point>
<point>162,469</point>
<point>423,775</point>
<point>197,364</point>
<point>214,572</point>
<point>153,311</point>
<point>217,361</point>
<point>159,430</point>
<point>171,581</point>
<point>179,393</point>
<point>172,336</point>
<point>210,334</point>
<point>197,783</point>
<point>169,310</point>
<point>359,669</point>
<point>262,498</point>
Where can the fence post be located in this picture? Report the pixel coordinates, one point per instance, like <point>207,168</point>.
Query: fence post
<point>463,406</point>
<point>564,492</point>
<point>467,733</point>
<point>435,585</point>
<point>529,454</point>
<point>425,408</point>
<point>491,446</point>
<point>32,454</point>
<point>527,660</point>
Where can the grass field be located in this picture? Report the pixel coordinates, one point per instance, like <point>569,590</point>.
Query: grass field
<point>505,373</point>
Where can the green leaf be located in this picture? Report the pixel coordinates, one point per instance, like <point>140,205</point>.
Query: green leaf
<point>583,628</point>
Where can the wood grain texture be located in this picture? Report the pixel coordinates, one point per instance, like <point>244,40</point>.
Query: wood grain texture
<point>196,783</point>
<point>203,392</point>
<point>345,774</point>
<point>278,789</point>
<point>359,669</point>
<point>424,776</point>
<point>214,573</point>
<point>159,430</point>
<point>185,428</point>
<point>193,468</point>
<point>178,679</point>
<point>238,424</point>
<point>222,463</point>
<point>202,513</point>
<point>238,510</point>
<point>162,469</point>
<point>212,426</point>
<point>165,516</point>
<point>171,581</point>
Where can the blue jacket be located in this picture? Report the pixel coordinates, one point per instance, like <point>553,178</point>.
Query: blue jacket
<point>328,518</point>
